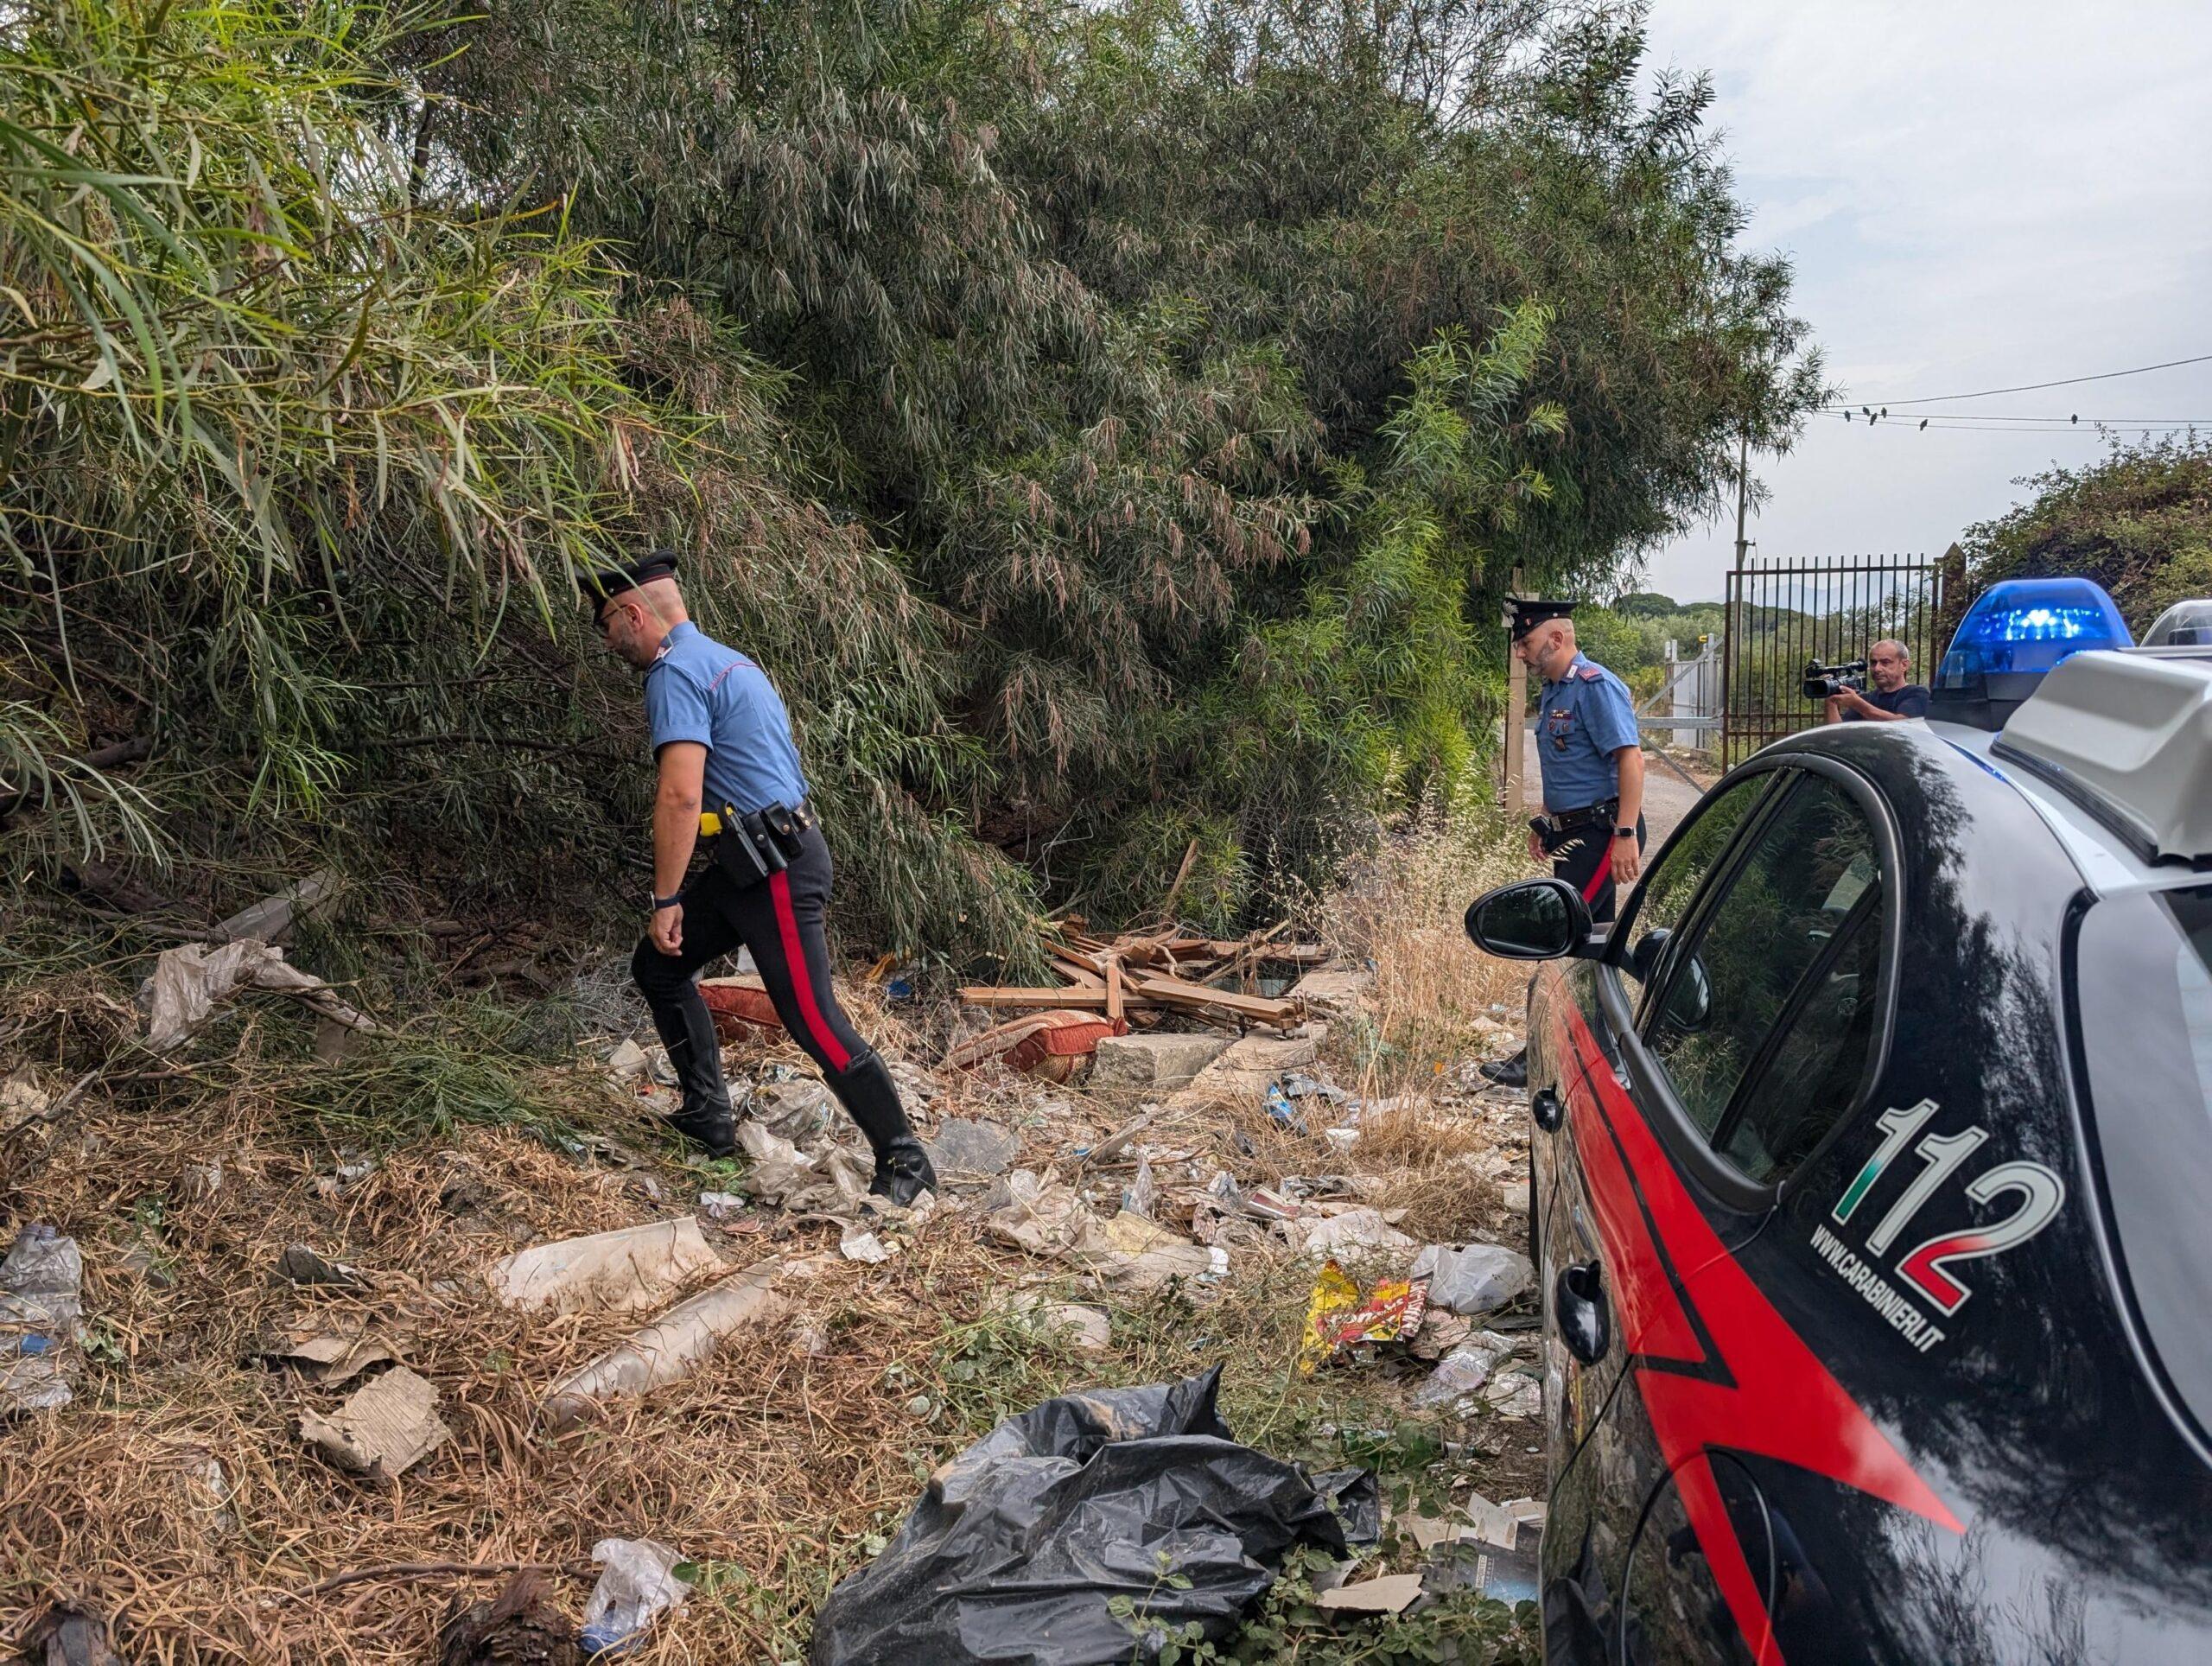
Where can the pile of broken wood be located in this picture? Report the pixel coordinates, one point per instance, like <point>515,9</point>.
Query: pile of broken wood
<point>1171,971</point>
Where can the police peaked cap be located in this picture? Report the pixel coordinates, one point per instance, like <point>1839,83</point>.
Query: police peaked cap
<point>1523,617</point>
<point>600,585</point>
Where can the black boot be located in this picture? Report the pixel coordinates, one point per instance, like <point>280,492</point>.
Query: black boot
<point>687,1030</point>
<point>902,1167</point>
<point>1508,1073</point>
<point>714,1128</point>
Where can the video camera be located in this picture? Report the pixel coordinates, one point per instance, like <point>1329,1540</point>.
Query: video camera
<point>1826,682</point>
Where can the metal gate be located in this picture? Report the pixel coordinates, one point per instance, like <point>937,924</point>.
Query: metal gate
<point>1781,614</point>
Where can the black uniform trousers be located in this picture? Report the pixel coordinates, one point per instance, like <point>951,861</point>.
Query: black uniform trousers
<point>1584,859</point>
<point>781,920</point>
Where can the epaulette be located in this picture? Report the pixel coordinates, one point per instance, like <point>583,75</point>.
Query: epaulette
<point>1591,673</point>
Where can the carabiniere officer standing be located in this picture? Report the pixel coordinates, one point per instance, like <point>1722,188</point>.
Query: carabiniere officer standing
<point>1593,767</point>
<point>729,771</point>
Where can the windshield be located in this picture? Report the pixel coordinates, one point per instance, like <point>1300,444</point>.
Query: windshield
<point>2143,978</point>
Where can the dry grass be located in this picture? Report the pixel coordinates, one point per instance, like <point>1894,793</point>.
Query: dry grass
<point>176,1495</point>
<point>1403,914</point>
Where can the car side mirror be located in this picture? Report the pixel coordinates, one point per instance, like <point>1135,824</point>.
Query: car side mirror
<point>1532,919</point>
<point>1650,949</point>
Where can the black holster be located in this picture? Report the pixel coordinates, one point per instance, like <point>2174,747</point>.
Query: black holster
<point>759,844</point>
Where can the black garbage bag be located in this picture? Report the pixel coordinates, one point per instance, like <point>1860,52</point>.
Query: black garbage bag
<point>1018,1545</point>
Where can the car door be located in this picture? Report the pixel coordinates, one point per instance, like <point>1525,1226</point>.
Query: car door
<point>1758,1032</point>
<point>1578,1020</point>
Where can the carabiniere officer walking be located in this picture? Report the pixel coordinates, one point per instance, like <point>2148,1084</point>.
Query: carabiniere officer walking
<point>730,773</point>
<point>1593,767</point>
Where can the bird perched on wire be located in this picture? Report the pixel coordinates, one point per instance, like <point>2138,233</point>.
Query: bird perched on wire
<point>518,1627</point>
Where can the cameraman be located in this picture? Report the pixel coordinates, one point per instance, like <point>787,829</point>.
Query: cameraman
<point>1888,664</point>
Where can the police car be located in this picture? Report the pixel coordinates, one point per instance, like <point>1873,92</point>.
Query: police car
<point>1872,1179</point>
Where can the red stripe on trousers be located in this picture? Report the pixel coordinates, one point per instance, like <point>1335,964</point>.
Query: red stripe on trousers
<point>1596,880</point>
<point>779,887</point>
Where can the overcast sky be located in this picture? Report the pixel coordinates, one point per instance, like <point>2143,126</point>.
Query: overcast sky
<point>1975,195</point>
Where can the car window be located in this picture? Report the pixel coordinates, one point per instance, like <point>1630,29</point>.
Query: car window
<point>1794,937</point>
<point>2142,975</point>
<point>1662,900</point>
<point>1816,1064</point>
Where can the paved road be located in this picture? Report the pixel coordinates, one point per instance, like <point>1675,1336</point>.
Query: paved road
<point>1667,800</point>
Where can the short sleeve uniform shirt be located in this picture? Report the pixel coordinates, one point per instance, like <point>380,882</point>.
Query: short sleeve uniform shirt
<point>700,691</point>
<point>1584,718</point>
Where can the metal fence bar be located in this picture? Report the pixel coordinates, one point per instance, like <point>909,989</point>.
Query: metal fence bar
<point>1779,614</point>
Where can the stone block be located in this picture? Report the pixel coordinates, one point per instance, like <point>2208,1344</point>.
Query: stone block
<point>1152,1063</point>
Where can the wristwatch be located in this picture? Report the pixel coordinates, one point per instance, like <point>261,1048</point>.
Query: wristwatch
<point>1624,832</point>
<point>675,901</point>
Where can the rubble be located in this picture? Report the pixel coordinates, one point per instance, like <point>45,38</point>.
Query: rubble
<point>1156,1062</point>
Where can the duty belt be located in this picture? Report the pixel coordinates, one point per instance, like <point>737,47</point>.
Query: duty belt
<point>1566,821</point>
<point>752,845</point>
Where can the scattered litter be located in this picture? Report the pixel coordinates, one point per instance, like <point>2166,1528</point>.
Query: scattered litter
<point>1516,1395</point>
<point>1515,1197</point>
<point>384,1428</point>
<point>1299,1085</point>
<point>639,1585</point>
<point>1032,1213</point>
<point>857,1245</point>
<point>831,1181</point>
<point>1141,1195</point>
<point>972,1150</point>
<point>521,1626</point>
<point>66,1635</point>
<point>1495,1524</point>
<point>271,919</point>
<point>40,1304</point>
<point>720,1206</point>
<point>627,1061</point>
<point>1339,1318</point>
<point>1460,1373</point>
<point>1027,1536</point>
<point>302,1264</point>
<point>1475,1279</point>
<point>671,1348</point>
<point>22,1099</point>
<point>189,982</point>
<point>1353,1229</point>
<point>1440,1331</point>
<point>1279,1107</point>
<point>1344,1139</point>
<point>796,1110</point>
<point>622,1272</point>
<point>331,1360</point>
<point>1391,1594</point>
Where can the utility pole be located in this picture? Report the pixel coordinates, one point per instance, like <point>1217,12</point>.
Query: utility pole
<point>1517,715</point>
<point>1743,492</point>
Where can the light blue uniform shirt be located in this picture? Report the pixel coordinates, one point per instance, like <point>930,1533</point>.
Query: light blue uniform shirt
<point>1584,718</point>
<point>700,691</point>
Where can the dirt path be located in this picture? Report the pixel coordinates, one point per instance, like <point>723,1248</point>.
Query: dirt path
<point>1667,800</point>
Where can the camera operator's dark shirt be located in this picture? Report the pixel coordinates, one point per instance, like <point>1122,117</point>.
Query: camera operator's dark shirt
<point>1911,701</point>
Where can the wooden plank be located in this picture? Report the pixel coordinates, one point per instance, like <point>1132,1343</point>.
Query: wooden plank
<point>1020,1000</point>
<point>1174,992</point>
<point>1114,988</point>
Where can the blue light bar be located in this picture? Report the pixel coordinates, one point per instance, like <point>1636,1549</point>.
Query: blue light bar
<point>2023,627</point>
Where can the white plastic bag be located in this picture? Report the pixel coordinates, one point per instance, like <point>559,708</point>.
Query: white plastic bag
<point>638,1585</point>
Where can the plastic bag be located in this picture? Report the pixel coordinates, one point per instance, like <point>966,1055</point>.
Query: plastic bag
<point>1474,1280</point>
<point>1017,1546</point>
<point>639,1584</point>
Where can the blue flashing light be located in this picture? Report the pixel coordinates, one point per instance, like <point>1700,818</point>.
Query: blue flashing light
<point>2023,627</point>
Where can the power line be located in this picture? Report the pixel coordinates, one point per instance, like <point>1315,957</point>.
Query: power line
<point>1890,414</point>
<point>1965,425</point>
<point>2063,382</point>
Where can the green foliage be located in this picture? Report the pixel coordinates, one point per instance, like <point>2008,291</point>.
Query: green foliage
<point>2140,523</point>
<point>1112,427</point>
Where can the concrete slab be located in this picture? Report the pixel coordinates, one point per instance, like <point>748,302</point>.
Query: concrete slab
<point>1156,1062</point>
